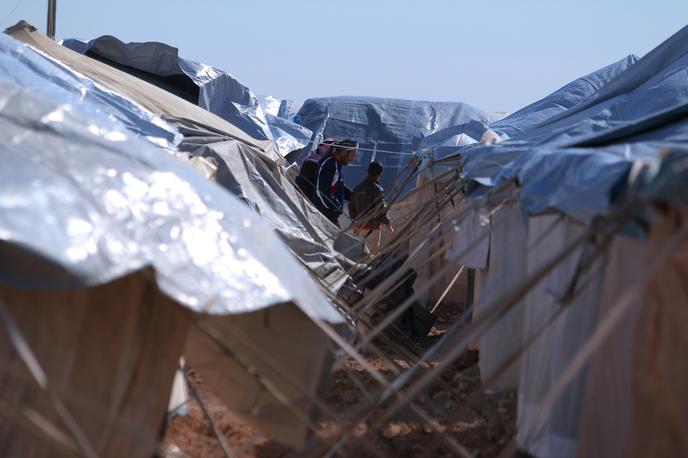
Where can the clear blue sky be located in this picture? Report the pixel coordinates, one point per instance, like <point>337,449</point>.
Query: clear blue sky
<point>497,55</point>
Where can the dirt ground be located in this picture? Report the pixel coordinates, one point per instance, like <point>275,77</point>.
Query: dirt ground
<point>482,422</point>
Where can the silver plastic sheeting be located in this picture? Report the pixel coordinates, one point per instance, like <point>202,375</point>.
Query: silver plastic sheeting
<point>283,108</point>
<point>287,136</point>
<point>215,90</point>
<point>28,68</point>
<point>83,202</point>
<point>265,188</point>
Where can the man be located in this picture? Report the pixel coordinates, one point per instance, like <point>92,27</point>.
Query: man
<point>308,170</point>
<point>367,208</point>
<point>330,190</point>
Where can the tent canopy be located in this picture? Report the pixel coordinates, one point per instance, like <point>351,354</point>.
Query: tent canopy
<point>386,129</point>
<point>574,160</point>
<point>113,203</point>
<point>147,95</point>
<point>215,90</point>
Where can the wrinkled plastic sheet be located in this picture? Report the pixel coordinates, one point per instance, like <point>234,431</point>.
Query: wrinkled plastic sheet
<point>282,108</point>
<point>82,202</point>
<point>560,100</point>
<point>148,95</point>
<point>649,102</point>
<point>30,69</point>
<point>288,136</point>
<point>386,129</point>
<point>217,91</point>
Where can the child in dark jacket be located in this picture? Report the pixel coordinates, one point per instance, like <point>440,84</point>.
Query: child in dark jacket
<point>367,207</point>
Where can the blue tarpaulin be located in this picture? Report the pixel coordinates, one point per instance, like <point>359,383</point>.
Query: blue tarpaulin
<point>560,100</point>
<point>386,129</point>
<point>573,160</point>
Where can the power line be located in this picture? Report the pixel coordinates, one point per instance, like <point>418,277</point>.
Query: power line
<point>8,15</point>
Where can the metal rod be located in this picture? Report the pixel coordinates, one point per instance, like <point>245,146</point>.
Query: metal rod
<point>52,18</point>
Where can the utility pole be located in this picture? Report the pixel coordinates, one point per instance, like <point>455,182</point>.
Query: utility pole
<point>52,16</point>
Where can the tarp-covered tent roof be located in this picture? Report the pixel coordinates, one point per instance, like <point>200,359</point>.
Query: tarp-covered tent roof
<point>573,160</point>
<point>597,162</point>
<point>385,128</point>
<point>449,140</point>
<point>149,96</point>
<point>29,68</point>
<point>93,201</point>
<point>317,242</point>
<point>215,90</point>
<point>115,203</point>
<point>560,100</point>
<point>266,189</point>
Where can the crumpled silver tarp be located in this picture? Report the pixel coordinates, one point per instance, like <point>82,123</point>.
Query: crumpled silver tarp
<point>287,136</point>
<point>30,69</point>
<point>283,108</point>
<point>310,236</point>
<point>215,90</point>
<point>151,97</point>
<point>83,201</point>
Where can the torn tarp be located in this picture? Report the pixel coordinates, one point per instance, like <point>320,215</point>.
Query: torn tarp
<point>560,100</point>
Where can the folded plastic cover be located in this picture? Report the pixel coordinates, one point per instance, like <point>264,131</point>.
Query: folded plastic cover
<point>83,201</point>
<point>215,90</point>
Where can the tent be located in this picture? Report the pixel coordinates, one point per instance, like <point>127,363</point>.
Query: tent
<point>385,128</point>
<point>117,210</point>
<point>215,90</point>
<point>316,247</point>
<point>152,98</point>
<point>582,165</point>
